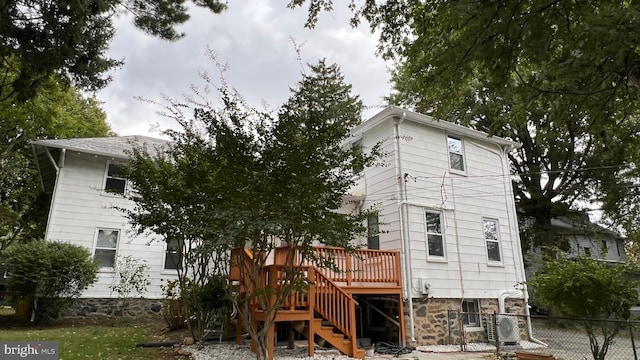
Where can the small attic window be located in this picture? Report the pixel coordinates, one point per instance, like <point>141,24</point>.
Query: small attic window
<point>116,181</point>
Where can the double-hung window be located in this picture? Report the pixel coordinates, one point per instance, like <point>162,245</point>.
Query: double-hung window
<point>173,255</point>
<point>373,231</point>
<point>115,179</point>
<point>106,246</point>
<point>356,147</point>
<point>435,240</point>
<point>492,239</point>
<point>471,313</point>
<point>456,153</point>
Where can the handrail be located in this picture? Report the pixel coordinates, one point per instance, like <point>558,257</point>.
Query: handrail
<point>359,266</point>
<point>331,301</point>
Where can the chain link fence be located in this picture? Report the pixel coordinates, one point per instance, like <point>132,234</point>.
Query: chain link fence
<point>512,336</point>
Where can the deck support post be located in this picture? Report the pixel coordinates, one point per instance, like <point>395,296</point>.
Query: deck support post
<point>312,304</point>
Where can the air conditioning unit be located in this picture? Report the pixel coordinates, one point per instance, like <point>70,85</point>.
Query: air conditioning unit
<point>507,328</point>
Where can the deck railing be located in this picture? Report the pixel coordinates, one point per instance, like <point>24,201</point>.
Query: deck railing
<point>359,266</point>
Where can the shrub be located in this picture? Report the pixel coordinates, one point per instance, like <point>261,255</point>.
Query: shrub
<point>173,307</point>
<point>50,274</point>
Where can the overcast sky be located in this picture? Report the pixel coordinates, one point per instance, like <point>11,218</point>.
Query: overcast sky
<point>254,39</point>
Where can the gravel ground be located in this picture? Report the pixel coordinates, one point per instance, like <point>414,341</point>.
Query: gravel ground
<point>225,351</point>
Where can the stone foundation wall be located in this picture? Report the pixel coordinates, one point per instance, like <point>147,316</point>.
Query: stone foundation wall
<point>135,307</point>
<point>438,321</point>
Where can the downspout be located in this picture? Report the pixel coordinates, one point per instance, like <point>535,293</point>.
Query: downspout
<point>517,250</point>
<point>455,229</point>
<point>405,248</point>
<point>58,168</point>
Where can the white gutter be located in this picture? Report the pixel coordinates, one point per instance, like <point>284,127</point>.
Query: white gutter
<point>405,245</point>
<point>58,167</point>
<point>517,249</point>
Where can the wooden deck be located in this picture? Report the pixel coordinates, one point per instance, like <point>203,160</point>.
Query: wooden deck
<point>329,297</point>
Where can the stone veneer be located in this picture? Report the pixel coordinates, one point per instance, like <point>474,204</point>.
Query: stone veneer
<point>133,307</point>
<point>437,321</point>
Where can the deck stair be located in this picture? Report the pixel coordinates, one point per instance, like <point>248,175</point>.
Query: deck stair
<point>326,309</point>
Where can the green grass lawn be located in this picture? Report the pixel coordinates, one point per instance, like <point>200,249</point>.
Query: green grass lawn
<point>93,342</point>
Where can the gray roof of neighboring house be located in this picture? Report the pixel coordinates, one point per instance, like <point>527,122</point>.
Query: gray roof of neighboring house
<point>114,146</point>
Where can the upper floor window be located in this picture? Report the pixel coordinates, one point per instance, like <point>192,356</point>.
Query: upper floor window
<point>456,154</point>
<point>373,231</point>
<point>106,246</point>
<point>435,241</point>
<point>491,238</point>
<point>116,181</point>
<point>173,255</point>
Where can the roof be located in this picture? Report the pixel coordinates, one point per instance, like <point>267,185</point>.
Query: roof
<point>114,146</point>
<point>392,112</point>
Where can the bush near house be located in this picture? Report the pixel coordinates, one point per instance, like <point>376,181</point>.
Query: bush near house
<point>49,275</point>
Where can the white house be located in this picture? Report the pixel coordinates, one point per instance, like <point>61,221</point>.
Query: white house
<point>443,197</point>
<point>86,183</point>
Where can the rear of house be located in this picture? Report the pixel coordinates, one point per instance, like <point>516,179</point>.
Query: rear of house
<point>443,197</point>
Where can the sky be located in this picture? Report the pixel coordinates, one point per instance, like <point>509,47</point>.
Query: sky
<point>255,38</point>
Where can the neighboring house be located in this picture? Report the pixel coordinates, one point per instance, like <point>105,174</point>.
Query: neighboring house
<point>576,235</point>
<point>443,197</point>
<point>86,182</point>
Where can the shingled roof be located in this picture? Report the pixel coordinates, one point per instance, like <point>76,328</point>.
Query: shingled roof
<point>114,146</point>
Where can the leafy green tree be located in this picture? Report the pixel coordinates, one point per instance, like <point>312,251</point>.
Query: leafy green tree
<point>560,77</point>
<point>590,290</point>
<point>50,274</point>
<point>57,111</point>
<point>70,38</point>
<point>237,177</point>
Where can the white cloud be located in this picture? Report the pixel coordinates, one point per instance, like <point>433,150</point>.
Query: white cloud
<point>254,39</point>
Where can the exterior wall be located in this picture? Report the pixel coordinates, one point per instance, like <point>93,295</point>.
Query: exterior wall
<point>437,321</point>
<point>464,199</point>
<point>80,207</point>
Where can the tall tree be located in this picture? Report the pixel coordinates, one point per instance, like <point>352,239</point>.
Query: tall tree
<point>57,112</point>
<point>561,77</point>
<point>254,179</point>
<point>70,38</point>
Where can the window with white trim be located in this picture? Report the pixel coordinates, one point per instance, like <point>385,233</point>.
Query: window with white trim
<point>471,313</point>
<point>106,246</point>
<point>115,180</point>
<point>173,255</point>
<point>492,239</point>
<point>435,240</point>
<point>373,231</point>
<point>456,153</point>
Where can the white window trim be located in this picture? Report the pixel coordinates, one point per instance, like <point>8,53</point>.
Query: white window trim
<point>464,155</point>
<point>95,246</point>
<point>499,241</point>
<point>435,258</point>
<point>103,191</point>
